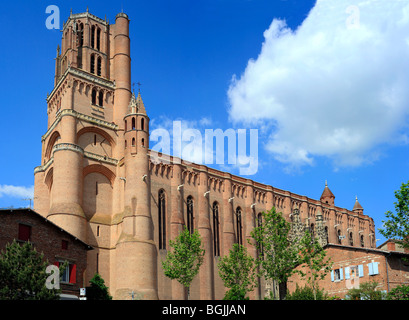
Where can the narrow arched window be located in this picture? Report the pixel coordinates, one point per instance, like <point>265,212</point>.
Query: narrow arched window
<point>362,241</point>
<point>143,142</point>
<point>80,35</point>
<point>101,99</point>
<point>189,214</point>
<point>94,96</point>
<point>216,225</point>
<point>133,124</point>
<point>162,219</point>
<point>260,225</point>
<point>326,234</point>
<point>142,124</point>
<point>95,139</point>
<point>133,142</point>
<point>339,236</point>
<point>126,125</point>
<point>92,66</point>
<point>99,64</point>
<point>126,144</point>
<point>93,37</point>
<point>239,226</point>
<point>351,239</point>
<point>98,39</point>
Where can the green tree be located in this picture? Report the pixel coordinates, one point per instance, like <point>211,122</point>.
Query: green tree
<point>238,273</point>
<point>366,291</point>
<point>306,293</point>
<point>98,290</point>
<point>399,293</point>
<point>23,274</point>
<point>277,255</point>
<point>397,225</point>
<point>313,257</point>
<point>183,261</point>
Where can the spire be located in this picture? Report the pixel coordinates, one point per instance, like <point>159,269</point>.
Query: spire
<point>357,206</point>
<point>327,196</point>
<point>139,102</point>
<point>136,104</point>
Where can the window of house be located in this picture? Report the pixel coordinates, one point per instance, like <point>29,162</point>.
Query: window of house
<point>337,274</point>
<point>24,232</point>
<point>69,274</point>
<point>373,268</point>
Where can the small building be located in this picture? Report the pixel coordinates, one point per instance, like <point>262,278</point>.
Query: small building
<point>55,243</point>
<point>353,266</point>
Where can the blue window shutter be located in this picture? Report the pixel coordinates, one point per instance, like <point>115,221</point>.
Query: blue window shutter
<point>361,270</point>
<point>341,276</point>
<point>370,267</point>
<point>332,275</point>
<point>347,273</point>
<point>375,268</point>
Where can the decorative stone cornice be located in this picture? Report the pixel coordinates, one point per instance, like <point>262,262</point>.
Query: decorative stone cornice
<point>84,75</point>
<point>73,113</point>
<point>67,146</point>
<point>44,167</point>
<point>100,158</point>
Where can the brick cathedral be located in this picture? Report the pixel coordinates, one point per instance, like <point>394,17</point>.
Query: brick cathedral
<point>97,179</point>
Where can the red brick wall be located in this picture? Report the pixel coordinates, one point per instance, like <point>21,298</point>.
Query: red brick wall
<point>46,238</point>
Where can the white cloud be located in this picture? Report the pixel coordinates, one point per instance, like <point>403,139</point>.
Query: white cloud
<point>16,191</point>
<point>337,87</point>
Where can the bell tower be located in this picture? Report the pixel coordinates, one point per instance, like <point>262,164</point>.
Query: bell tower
<point>94,179</point>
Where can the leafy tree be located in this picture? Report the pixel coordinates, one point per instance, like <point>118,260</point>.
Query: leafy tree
<point>183,261</point>
<point>313,257</point>
<point>366,291</point>
<point>399,293</point>
<point>98,290</point>
<point>397,225</point>
<point>23,274</point>
<point>238,273</point>
<point>277,256</point>
<point>306,293</point>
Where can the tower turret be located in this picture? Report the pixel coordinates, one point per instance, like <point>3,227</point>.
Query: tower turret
<point>357,207</point>
<point>327,196</point>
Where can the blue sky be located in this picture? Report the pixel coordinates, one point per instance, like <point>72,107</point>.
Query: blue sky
<point>325,89</point>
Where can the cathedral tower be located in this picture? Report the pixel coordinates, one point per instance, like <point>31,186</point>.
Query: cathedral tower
<point>94,175</point>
